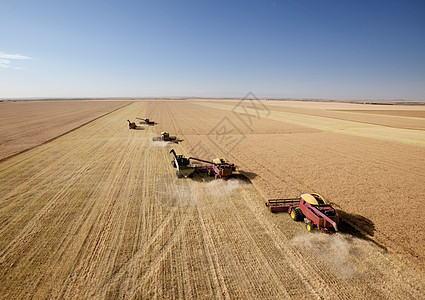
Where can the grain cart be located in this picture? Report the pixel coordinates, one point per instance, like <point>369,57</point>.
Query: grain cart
<point>165,136</point>
<point>218,168</point>
<point>313,208</point>
<point>146,121</point>
<point>131,125</point>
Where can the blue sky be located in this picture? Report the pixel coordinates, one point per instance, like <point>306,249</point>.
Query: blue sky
<point>301,48</point>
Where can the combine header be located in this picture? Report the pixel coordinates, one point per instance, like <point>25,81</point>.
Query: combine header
<point>313,208</point>
<point>146,121</point>
<point>165,136</point>
<point>218,168</point>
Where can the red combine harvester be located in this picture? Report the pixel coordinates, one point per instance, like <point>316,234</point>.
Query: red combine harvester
<point>218,168</point>
<point>313,208</point>
<point>131,125</point>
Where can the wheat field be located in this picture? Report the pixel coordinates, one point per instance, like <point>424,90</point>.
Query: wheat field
<point>98,212</point>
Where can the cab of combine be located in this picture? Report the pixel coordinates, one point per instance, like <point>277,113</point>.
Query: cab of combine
<point>181,161</point>
<point>165,135</point>
<point>182,164</point>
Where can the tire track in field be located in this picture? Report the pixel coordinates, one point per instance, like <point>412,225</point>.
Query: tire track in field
<point>212,257</point>
<point>160,229</point>
<point>106,229</point>
<point>63,193</point>
<point>46,207</point>
<point>141,253</point>
<point>118,181</point>
<point>153,254</point>
<point>45,178</point>
<point>62,249</point>
<point>34,179</point>
<point>183,289</point>
<point>154,265</point>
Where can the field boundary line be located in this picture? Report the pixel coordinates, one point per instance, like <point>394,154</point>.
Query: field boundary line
<point>62,134</point>
<point>334,117</point>
<point>341,126</point>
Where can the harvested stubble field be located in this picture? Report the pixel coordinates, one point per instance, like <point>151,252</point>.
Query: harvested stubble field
<point>26,124</point>
<point>99,212</point>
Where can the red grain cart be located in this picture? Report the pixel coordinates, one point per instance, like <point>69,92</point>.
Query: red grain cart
<point>219,168</point>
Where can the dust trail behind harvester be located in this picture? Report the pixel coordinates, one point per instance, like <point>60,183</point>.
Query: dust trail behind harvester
<point>161,143</point>
<point>220,188</point>
<point>336,250</point>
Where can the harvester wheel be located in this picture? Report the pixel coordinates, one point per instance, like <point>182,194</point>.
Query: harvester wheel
<point>309,226</point>
<point>296,214</point>
<point>173,162</point>
<point>178,174</point>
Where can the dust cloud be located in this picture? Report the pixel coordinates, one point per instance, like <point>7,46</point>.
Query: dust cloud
<point>160,143</point>
<point>220,188</point>
<point>335,250</point>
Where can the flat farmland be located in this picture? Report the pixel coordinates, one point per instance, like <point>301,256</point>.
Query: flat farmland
<point>26,124</point>
<point>99,212</point>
